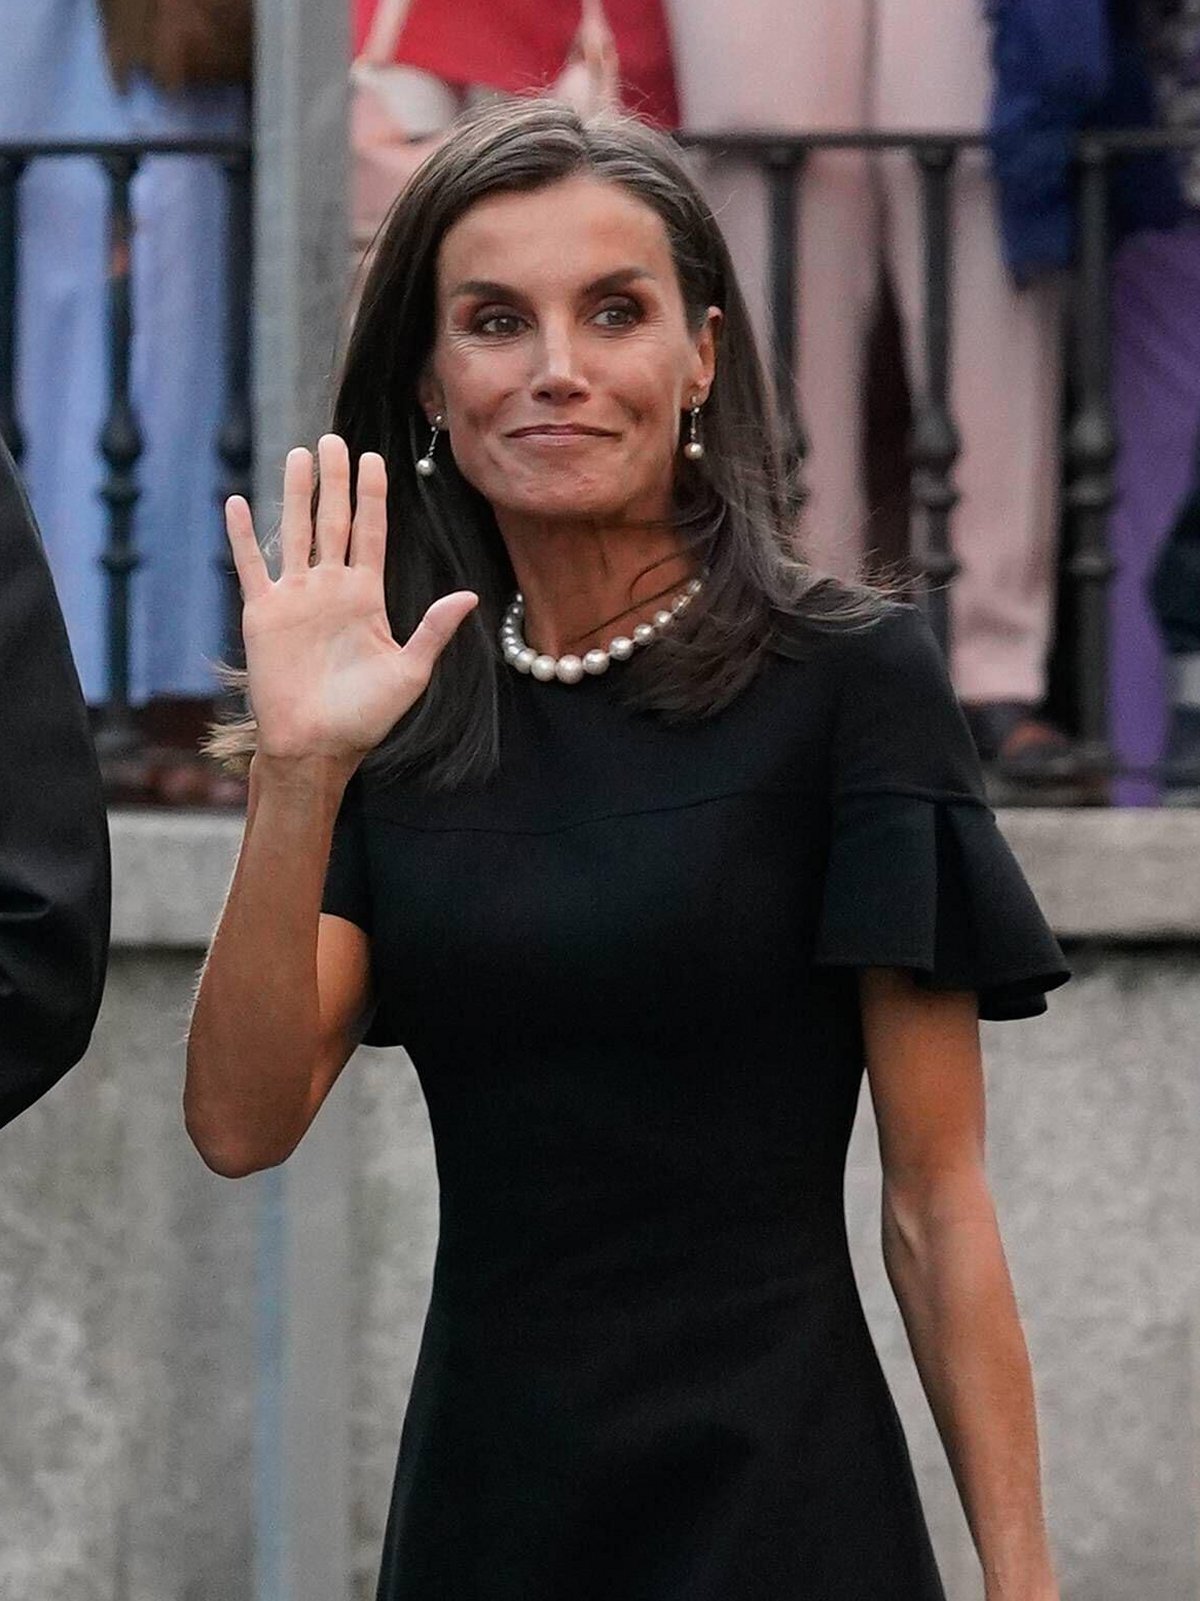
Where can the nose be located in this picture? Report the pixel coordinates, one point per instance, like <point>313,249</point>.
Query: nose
<point>557,376</point>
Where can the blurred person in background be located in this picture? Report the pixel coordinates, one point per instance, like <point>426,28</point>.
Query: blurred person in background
<point>1155,675</point>
<point>897,65</point>
<point>1063,66</point>
<point>55,83</point>
<point>54,873</point>
<point>418,63</point>
<point>453,49</point>
<point>1175,592</point>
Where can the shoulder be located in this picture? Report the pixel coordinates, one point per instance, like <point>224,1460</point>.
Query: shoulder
<point>896,721</point>
<point>864,673</point>
<point>878,634</point>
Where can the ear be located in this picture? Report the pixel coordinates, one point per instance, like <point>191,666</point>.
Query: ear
<point>704,364</point>
<point>429,393</point>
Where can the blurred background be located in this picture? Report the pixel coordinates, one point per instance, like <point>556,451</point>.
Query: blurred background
<point>970,238</point>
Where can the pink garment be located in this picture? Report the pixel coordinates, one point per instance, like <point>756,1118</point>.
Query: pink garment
<point>895,65</point>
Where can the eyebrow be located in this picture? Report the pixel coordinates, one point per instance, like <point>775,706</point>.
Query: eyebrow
<point>486,289</point>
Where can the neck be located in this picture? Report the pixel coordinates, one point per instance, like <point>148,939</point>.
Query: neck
<point>585,582</point>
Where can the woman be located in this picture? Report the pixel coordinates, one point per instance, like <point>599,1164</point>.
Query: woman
<point>640,896</point>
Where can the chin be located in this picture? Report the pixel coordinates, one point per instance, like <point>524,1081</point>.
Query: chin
<point>571,501</point>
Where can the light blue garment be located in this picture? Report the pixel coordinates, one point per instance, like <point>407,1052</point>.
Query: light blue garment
<point>54,83</point>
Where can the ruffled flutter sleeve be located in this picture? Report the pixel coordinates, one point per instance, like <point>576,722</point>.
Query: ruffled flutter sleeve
<point>919,875</point>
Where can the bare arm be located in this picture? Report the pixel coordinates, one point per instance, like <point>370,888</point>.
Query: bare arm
<point>285,990</point>
<point>946,1264</point>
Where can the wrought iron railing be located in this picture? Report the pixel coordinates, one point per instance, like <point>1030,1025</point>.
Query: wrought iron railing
<point>120,440</point>
<point>934,443</point>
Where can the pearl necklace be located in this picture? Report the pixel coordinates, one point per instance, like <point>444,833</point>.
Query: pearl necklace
<point>570,669</point>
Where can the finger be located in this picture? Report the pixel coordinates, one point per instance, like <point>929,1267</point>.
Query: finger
<point>333,499</point>
<point>247,558</point>
<point>295,529</point>
<point>436,629</point>
<point>368,537</point>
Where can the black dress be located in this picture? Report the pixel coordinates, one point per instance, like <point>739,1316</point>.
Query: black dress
<point>624,970</point>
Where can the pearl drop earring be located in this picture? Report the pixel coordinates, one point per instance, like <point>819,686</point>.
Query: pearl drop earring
<point>426,466</point>
<point>694,449</point>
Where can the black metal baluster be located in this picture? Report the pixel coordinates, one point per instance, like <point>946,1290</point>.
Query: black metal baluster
<point>235,441</point>
<point>121,446</point>
<point>10,427</point>
<point>784,165</point>
<point>934,446</point>
<point>1091,452</point>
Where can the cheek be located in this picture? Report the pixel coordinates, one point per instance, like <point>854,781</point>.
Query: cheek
<point>655,418</point>
<point>654,395</point>
<point>650,384</point>
<point>476,414</point>
<point>475,388</point>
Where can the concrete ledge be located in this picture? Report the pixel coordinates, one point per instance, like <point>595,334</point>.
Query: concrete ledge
<point>1099,875</point>
<point>170,874</point>
<point>1120,874</point>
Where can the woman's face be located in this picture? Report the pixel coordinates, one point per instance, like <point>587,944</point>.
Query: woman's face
<point>563,358</point>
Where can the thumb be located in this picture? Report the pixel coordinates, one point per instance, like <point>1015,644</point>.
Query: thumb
<point>436,629</point>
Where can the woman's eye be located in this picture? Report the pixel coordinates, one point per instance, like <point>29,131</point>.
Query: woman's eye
<point>618,316</point>
<point>498,323</point>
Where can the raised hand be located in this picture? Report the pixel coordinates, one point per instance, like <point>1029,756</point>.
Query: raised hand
<point>326,677</point>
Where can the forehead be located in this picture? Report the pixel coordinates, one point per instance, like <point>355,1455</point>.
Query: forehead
<point>577,229</point>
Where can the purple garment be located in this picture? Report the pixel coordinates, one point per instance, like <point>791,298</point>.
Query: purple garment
<point>1156,396</point>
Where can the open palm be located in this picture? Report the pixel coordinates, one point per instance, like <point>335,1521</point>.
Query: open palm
<point>326,677</point>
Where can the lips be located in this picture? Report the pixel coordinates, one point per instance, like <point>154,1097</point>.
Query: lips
<point>547,430</point>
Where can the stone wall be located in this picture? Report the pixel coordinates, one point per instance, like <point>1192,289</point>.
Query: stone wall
<point>135,1369</point>
<point>127,1326</point>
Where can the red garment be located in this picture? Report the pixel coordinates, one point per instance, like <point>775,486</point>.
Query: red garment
<point>522,45</point>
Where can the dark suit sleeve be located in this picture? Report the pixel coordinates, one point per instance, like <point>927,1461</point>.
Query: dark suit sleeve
<point>54,861</point>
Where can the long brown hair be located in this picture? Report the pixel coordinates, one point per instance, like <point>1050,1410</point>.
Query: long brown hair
<point>735,509</point>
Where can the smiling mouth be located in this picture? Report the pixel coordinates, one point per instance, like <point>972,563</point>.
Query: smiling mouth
<point>561,431</point>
